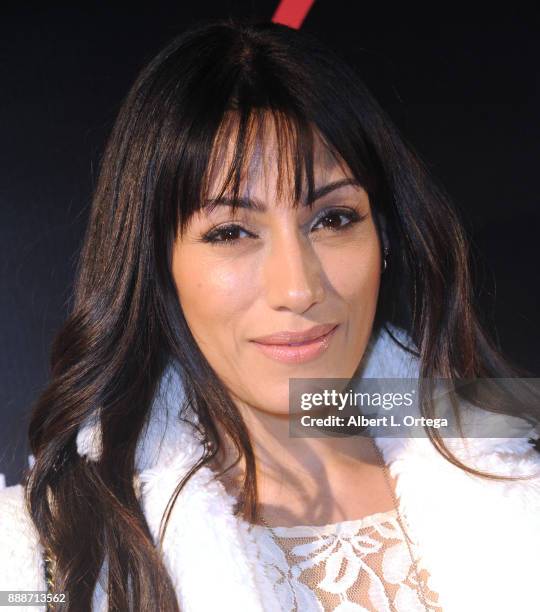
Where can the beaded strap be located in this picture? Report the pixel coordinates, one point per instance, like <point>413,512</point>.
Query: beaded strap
<point>48,565</point>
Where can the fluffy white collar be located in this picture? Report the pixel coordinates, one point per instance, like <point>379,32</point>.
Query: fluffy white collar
<point>478,539</point>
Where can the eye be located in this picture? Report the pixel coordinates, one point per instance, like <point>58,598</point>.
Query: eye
<point>226,234</point>
<point>337,219</point>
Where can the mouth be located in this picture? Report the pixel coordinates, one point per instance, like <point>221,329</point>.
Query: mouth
<point>297,351</point>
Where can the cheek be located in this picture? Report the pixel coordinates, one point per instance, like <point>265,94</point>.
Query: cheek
<point>354,273</point>
<point>212,294</point>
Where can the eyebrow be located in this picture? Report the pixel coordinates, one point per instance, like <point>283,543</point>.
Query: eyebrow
<point>257,205</point>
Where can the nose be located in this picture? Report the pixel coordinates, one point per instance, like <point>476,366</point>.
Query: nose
<point>294,275</point>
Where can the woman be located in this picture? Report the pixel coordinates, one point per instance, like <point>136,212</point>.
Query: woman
<point>257,220</point>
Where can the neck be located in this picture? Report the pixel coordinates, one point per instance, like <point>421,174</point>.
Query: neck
<point>306,480</point>
<point>278,451</point>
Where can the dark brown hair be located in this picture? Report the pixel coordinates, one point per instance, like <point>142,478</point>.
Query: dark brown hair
<point>218,80</point>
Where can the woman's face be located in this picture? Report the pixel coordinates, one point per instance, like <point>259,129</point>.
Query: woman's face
<point>274,270</point>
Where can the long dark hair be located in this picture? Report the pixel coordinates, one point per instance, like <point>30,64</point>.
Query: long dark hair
<point>217,81</point>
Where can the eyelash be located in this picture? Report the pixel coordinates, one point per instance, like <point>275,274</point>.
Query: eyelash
<point>352,215</point>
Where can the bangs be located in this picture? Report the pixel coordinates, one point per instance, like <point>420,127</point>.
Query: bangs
<point>243,137</point>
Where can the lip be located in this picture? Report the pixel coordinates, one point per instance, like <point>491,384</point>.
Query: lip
<point>297,347</point>
<point>295,337</point>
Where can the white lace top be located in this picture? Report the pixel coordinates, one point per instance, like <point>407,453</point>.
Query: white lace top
<point>352,566</point>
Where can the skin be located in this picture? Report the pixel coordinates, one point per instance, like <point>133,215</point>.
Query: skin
<point>287,269</point>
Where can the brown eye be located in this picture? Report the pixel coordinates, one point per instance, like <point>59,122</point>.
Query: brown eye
<point>337,219</point>
<point>227,234</point>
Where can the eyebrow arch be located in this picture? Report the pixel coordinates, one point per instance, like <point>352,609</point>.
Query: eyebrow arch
<point>257,205</point>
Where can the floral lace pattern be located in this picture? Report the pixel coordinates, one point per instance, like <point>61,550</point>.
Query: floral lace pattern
<point>353,566</point>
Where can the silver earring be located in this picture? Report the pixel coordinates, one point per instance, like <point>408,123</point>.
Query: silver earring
<point>385,264</point>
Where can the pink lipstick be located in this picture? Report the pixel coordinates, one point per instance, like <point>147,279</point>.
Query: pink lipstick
<point>296,347</point>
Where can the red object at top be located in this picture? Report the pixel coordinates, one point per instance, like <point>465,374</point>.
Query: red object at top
<point>292,12</point>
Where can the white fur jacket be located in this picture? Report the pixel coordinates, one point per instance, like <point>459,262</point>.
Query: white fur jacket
<point>478,539</point>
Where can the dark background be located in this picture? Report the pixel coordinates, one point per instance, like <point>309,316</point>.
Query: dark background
<point>463,90</point>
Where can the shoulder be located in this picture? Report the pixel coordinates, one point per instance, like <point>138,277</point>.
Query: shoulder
<point>514,467</point>
<point>418,463</point>
<point>500,444</point>
<point>21,565</point>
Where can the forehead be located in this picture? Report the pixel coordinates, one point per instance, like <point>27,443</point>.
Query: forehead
<point>269,159</point>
